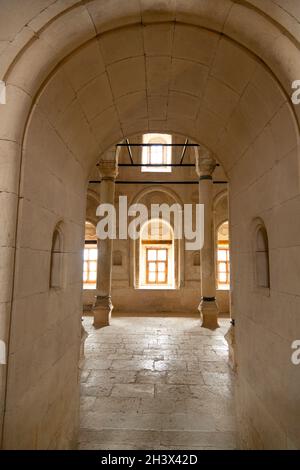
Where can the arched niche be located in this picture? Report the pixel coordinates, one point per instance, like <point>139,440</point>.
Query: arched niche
<point>56,259</point>
<point>117,258</point>
<point>261,257</point>
<point>196,258</point>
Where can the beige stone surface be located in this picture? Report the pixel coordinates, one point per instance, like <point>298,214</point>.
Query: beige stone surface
<point>56,124</point>
<point>150,400</point>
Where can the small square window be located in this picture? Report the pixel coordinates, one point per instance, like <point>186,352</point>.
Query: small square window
<point>156,269</point>
<point>157,153</point>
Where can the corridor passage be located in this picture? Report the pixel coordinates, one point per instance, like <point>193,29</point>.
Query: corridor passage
<point>156,382</point>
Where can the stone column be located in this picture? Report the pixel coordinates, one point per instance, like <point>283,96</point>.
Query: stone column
<point>102,307</point>
<point>205,165</point>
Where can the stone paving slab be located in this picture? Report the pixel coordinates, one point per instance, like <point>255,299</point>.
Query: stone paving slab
<point>156,383</point>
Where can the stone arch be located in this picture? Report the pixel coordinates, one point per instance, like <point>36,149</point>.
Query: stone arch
<point>178,244</point>
<point>223,193</point>
<point>170,192</point>
<point>221,223</point>
<point>91,206</point>
<point>91,221</point>
<point>34,73</point>
<point>93,195</point>
<point>220,208</point>
<point>234,20</point>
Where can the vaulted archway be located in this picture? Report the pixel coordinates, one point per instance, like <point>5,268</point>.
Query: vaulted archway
<point>71,95</point>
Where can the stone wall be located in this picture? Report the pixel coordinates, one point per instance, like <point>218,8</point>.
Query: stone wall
<point>221,75</point>
<point>265,184</point>
<point>43,378</point>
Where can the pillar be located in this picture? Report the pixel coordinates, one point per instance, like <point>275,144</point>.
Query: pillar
<point>103,307</point>
<point>208,307</point>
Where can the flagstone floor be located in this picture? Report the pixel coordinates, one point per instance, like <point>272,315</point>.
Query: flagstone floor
<point>156,382</point>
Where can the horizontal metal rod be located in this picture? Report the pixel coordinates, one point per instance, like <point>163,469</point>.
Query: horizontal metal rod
<point>156,242</point>
<point>159,165</point>
<point>157,182</point>
<point>158,145</point>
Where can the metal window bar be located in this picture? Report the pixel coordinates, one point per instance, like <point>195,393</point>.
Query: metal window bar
<point>158,145</point>
<point>129,151</point>
<point>183,151</point>
<point>156,182</point>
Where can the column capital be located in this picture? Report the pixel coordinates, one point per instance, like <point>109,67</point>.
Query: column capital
<point>205,164</point>
<point>108,169</point>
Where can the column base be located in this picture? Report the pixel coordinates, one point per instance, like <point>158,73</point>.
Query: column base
<point>230,338</point>
<point>208,309</point>
<point>102,309</point>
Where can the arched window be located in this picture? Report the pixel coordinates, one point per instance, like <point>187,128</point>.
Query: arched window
<point>56,259</point>
<point>223,261</point>
<point>157,255</point>
<point>158,154</point>
<point>90,257</point>
<point>262,267</point>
